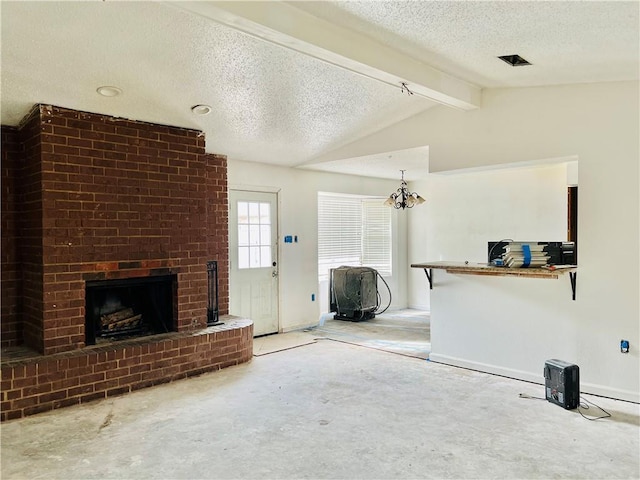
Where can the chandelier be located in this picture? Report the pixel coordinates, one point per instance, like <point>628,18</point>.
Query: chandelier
<point>403,198</point>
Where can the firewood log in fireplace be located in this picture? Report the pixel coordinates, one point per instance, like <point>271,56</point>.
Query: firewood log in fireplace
<point>119,320</point>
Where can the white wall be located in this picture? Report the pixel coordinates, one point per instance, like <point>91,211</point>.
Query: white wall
<point>596,123</point>
<point>298,212</point>
<point>500,325</point>
<point>465,211</point>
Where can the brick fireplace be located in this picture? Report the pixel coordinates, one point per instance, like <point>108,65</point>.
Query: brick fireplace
<point>89,199</point>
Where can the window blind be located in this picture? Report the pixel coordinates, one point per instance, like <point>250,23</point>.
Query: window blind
<point>376,238</point>
<point>354,231</point>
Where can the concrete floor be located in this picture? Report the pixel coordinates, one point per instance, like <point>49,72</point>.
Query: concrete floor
<point>329,409</point>
<point>407,332</point>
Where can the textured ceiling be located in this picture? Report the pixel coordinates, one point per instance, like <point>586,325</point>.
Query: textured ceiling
<point>269,103</point>
<point>272,103</point>
<point>414,161</point>
<point>566,41</point>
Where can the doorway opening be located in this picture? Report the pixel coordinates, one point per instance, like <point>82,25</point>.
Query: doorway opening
<point>572,219</point>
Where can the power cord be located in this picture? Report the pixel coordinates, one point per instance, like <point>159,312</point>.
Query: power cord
<point>524,395</point>
<point>584,405</point>
<point>504,240</point>
<point>379,298</point>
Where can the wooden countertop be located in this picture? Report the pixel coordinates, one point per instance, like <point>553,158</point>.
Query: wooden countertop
<point>485,269</point>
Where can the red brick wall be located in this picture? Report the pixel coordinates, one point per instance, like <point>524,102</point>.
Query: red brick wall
<point>118,199</point>
<point>10,279</point>
<point>30,232</point>
<point>46,383</point>
<point>88,197</point>
<point>218,225</point>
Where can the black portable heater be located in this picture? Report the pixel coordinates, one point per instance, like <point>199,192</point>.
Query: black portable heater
<point>562,383</point>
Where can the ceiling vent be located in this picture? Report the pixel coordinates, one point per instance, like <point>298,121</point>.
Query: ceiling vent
<point>514,60</point>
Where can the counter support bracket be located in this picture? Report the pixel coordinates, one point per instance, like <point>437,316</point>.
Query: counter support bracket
<point>572,278</point>
<point>428,272</point>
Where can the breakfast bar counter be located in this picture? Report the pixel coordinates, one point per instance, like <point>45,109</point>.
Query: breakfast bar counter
<point>468,268</point>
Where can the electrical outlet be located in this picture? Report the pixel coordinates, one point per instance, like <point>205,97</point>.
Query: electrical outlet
<point>624,346</point>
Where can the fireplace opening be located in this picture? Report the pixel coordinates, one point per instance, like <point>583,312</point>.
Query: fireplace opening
<point>133,307</point>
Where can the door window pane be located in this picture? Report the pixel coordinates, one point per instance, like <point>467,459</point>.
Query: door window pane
<point>254,235</point>
<point>265,213</point>
<point>265,256</point>
<point>265,234</point>
<point>254,257</point>
<point>254,213</point>
<point>243,213</point>
<point>243,257</point>
<point>243,235</point>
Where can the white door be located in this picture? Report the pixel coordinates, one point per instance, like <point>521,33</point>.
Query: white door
<point>253,255</point>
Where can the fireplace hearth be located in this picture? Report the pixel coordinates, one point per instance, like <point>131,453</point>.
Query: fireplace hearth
<point>108,225</point>
<point>125,308</point>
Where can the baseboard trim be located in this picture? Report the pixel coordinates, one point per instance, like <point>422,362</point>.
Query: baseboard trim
<point>425,307</point>
<point>295,328</point>
<point>588,388</point>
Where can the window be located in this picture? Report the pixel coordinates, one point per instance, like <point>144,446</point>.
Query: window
<point>254,235</point>
<point>355,231</point>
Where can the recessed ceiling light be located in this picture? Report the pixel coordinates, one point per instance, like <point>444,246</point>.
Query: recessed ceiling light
<point>514,60</point>
<point>107,91</point>
<point>201,109</point>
